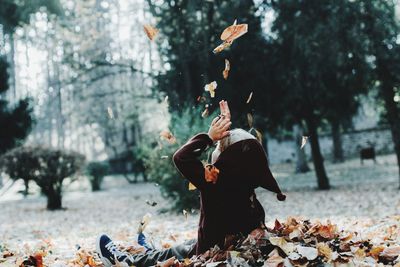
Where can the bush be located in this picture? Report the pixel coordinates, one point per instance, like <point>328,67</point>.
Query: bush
<point>47,167</point>
<point>158,159</point>
<point>96,171</point>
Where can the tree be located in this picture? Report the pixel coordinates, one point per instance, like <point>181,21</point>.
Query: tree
<point>16,13</point>
<point>16,121</point>
<point>47,167</point>
<point>158,158</point>
<point>189,31</point>
<point>96,171</point>
<point>382,27</point>
<point>320,64</point>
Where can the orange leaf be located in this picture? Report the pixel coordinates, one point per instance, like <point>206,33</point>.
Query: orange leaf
<point>211,173</point>
<point>168,136</point>
<point>150,31</point>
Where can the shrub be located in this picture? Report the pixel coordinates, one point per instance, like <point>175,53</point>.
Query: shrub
<point>47,167</point>
<point>96,171</point>
<point>158,159</point>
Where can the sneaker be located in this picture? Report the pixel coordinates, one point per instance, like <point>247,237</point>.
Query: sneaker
<point>110,254</point>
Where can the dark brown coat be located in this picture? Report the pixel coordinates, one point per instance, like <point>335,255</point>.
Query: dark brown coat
<point>229,206</point>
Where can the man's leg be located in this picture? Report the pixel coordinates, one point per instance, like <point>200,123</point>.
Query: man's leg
<point>109,253</point>
<point>180,252</point>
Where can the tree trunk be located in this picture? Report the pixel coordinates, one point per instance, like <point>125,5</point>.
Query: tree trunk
<point>54,199</point>
<point>26,190</point>
<point>393,117</point>
<point>322,178</point>
<point>337,142</point>
<point>301,158</point>
<point>13,97</point>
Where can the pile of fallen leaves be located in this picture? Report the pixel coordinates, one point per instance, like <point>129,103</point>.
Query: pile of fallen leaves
<point>302,243</point>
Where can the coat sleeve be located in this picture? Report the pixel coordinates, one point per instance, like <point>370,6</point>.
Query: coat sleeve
<point>187,161</point>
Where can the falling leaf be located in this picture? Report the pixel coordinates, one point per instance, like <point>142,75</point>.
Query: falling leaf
<point>307,252</point>
<point>151,203</point>
<point>230,34</point>
<point>221,47</point>
<point>249,98</point>
<point>233,32</point>
<point>250,120</point>
<point>144,222</point>
<point>164,157</point>
<point>225,73</point>
<point>192,187</point>
<point>303,141</point>
<point>168,136</point>
<point>185,213</point>
<point>211,87</point>
<point>110,113</point>
<point>205,113</point>
<point>150,31</point>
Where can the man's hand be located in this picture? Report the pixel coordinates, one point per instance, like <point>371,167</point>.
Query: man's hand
<point>224,108</point>
<point>219,128</point>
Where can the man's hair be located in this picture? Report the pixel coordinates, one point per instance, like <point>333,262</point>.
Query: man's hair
<point>235,136</point>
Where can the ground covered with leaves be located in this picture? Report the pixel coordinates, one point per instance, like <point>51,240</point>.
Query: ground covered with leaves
<point>355,223</point>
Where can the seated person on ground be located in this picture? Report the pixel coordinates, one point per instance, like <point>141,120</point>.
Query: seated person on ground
<point>229,205</point>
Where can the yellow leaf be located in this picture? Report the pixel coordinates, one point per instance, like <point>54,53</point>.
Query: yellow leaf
<point>211,87</point>
<point>192,187</point>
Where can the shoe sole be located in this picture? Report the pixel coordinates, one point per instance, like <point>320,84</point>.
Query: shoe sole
<point>104,260</point>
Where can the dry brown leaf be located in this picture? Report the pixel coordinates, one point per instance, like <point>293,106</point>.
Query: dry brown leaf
<point>375,251</point>
<point>391,252</point>
<point>274,259</point>
<point>150,31</point>
<point>283,244</point>
<point>225,73</point>
<point>324,250</point>
<point>168,136</point>
<point>211,173</point>
<point>221,47</point>
<point>211,87</point>
<point>233,32</point>
<point>230,34</point>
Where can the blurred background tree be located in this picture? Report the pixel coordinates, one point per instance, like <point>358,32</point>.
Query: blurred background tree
<point>382,28</point>
<point>320,78</point>
<point>47,167</point>
<point>158,160</point>
<point>16,121</point>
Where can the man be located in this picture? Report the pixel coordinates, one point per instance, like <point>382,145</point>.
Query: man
<point>229,205</point>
